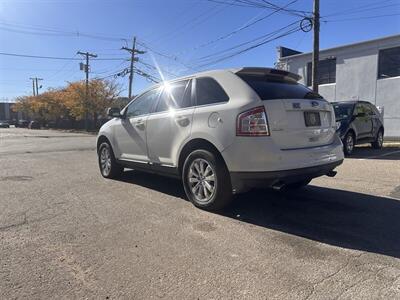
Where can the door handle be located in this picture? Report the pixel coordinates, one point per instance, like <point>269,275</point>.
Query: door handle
<point>139,124</point>
<point>182,121</point>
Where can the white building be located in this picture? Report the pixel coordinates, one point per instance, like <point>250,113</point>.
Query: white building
<point>368,70</point>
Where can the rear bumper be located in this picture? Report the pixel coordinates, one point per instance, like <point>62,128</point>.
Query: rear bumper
<point>243,181</point>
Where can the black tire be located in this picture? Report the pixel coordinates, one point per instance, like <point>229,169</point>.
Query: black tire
<point>221,194</point>
<point>348,143</point>
<point>298,184</point>
<point>378,143</point>
<point>114,170</point>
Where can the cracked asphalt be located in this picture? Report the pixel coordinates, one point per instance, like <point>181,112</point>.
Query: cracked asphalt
<point>65,232</point>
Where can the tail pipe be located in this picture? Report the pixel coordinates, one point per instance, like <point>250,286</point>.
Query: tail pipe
<point>331,173</point>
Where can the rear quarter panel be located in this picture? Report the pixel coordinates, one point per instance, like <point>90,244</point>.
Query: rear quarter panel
<point>216,123</point>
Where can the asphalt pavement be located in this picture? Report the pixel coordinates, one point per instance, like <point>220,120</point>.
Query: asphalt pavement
<point>66,232</point>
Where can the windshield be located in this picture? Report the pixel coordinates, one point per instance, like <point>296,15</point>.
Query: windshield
<point>269,88</point>
<point>343,110</point>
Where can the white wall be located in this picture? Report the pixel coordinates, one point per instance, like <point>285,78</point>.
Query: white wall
<point>356,78</point>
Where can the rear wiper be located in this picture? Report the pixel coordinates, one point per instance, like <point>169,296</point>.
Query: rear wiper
<point>312,95</point>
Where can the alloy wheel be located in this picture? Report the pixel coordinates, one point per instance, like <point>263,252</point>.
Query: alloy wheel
<point>202,180</point>
<point>105,161</point>
<point>349,143</point>
<point>380,139</point>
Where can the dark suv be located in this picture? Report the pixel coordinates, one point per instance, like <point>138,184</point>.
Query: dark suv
<point>358,122</point>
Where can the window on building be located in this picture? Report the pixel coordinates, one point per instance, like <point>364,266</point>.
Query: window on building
<point>326,71</point>
<point>389,63</point>
<point>208,91</point>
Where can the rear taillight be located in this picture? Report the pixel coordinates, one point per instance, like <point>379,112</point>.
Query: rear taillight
<point>252,122</point>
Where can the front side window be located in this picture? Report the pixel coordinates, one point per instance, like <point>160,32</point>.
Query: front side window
<point>175,95</point>
<point>326,71</point>
<point>209,91</point>
<point>368,109</point>
<point>389,63</point>
<point>143,104</point>
<point>360,110</point>
<point>270,88</point>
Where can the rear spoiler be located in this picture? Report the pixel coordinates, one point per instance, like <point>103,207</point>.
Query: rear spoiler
<point>269,72</point>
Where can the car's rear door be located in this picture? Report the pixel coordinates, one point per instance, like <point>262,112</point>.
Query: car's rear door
<point>362,121</point>
<point>170,124</point>
<point>375,119</point>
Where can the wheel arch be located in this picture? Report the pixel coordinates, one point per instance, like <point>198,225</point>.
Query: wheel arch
<point>195,144</point>
<point>353,132</point>
<point>101,139</point>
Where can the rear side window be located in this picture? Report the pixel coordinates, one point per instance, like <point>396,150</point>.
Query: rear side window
<point>269,88</point>
<point>209,91</point>
<point>176,95</point>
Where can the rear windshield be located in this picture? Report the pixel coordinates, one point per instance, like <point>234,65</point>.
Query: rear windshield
<point>269,88</point>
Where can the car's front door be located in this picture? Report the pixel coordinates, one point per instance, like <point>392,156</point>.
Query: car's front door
<point>131,134</point>
<point>170,124</point>
<point>368,122</point>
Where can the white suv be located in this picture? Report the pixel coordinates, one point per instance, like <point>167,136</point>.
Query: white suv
<point>224,132</point>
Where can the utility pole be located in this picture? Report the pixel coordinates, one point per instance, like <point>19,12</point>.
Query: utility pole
<point>86,69</point>
<point>37,85</point>
<point>33,86</point>
<point>133,59</point>
<point>315,54</point>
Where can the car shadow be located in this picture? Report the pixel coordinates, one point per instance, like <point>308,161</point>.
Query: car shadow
<point>336,217</point>
<point>387,153</point>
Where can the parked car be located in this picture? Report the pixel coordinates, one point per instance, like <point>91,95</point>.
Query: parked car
<point>224,132</point>
<point>12,122</point>
<point>4,124</point>
<point>22,124</point>
<point>358,122</point>
<point>34,125</point>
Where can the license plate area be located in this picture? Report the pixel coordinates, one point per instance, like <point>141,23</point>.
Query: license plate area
<point>312,118</point>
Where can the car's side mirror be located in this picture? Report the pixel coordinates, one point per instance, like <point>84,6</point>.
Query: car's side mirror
<point>114,112</point>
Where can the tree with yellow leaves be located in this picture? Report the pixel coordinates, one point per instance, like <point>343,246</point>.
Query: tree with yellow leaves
<point>70,102</point>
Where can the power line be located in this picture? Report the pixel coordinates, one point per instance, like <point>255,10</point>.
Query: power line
<point>148,76</point>
<point>264,36</point>
<point>244,26</point>
<point>167,56</point>
<point>263,4</point>
<point>47,31</point>
<point>217,60</point>
<point>54,57</point>
<point>362,8</point>
<point>156,69</point>
<point>361,18</point>
<point>203,16</point>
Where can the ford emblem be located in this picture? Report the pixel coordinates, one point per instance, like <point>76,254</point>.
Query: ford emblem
<point>314,103</point>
